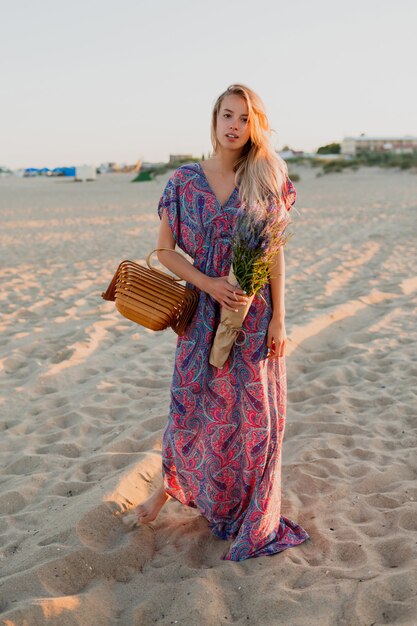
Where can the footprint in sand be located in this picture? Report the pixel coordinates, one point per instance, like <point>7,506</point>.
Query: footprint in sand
<point>408,520</point>
<point>351,554</point>
<point>26,465</point>
<point>11,502</point>
<point>62,355</point>
<point>68,450</point>
<point>112,554</point>
<point>69,489</point>
<point>396,552</point>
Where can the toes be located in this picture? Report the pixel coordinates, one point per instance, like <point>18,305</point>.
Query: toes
<point>130,521</point>
<point>139,510</point>
<point>116,508</point>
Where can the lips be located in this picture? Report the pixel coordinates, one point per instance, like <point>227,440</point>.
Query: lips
<point>232,136</point>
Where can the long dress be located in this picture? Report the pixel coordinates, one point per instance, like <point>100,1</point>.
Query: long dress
<point>222,444</point>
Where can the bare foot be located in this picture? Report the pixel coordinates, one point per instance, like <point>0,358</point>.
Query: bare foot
<point>148,510</point>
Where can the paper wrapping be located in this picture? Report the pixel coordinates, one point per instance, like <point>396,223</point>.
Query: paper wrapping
<point>229,326</point>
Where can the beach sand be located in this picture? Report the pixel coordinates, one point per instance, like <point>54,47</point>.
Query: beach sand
<point>84,396</point>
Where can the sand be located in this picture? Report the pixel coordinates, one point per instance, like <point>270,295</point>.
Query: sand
<point>84,396</point>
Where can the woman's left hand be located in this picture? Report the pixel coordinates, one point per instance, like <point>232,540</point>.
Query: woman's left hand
<point>276,339</point>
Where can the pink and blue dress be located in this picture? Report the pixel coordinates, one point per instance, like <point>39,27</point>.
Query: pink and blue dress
<point>222,444</point>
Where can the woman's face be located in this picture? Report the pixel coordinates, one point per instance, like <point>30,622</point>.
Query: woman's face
<point>233,129</point>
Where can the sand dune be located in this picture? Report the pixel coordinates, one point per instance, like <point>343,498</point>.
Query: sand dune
<point>84,396</point>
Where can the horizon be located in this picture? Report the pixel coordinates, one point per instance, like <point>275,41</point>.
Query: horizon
<point>125,163</point>
<point>104,83</point>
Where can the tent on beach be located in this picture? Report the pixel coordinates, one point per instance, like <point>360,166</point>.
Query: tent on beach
<point>45,171</point>
<point>63,171</point>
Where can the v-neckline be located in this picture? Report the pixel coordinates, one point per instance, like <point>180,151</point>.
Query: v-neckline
<point>223,206</point>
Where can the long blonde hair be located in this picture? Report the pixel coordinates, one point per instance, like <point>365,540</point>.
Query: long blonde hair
<point>260,171</point>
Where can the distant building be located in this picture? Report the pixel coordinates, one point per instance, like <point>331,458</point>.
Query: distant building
<point>180,158</point>
<point>291,154</point>
<point>399,145</point>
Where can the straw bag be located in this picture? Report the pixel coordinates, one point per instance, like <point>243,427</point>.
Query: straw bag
<point>150,297</point>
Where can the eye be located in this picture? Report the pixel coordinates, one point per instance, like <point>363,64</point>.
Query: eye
<point>226,115</point>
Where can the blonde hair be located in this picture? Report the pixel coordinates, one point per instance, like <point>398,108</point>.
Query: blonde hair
<point>260,171</point>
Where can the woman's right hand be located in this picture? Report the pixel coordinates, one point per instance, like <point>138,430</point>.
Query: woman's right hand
<point>231,298</point>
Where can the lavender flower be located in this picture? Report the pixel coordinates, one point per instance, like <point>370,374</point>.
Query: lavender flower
<point>258,235</point>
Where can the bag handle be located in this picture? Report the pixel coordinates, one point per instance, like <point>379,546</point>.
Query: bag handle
<point>154,269</point>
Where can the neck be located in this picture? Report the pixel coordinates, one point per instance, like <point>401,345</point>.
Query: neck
<point>225,159</point>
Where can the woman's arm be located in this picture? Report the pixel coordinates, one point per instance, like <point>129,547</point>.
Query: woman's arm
<point>277,283</point>
<point>276,331</point>
<point>217,287</point>
<point>174,262</point>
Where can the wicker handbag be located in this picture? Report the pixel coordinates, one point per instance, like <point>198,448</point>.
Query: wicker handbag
<point>150,297</point>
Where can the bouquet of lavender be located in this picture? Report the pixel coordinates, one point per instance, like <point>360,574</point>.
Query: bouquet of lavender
<point>258,235</point>
<point>257,238</point>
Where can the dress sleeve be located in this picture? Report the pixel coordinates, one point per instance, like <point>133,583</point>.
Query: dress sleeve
<point>170,202</point>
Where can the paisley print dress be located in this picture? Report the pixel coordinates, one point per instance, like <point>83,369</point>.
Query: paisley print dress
<point>222,444</point>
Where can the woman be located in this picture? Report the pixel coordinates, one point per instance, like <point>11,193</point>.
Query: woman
<point>222,444</point>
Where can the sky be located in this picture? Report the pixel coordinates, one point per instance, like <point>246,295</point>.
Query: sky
<point>91,81</point>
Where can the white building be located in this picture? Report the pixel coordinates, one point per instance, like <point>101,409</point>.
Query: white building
<point>85,172</point>
<point>399,145</point>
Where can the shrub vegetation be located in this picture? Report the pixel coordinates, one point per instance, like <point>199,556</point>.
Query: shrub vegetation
<point>368,159</point>
<point>330,148</point>
<point>151,172</point>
